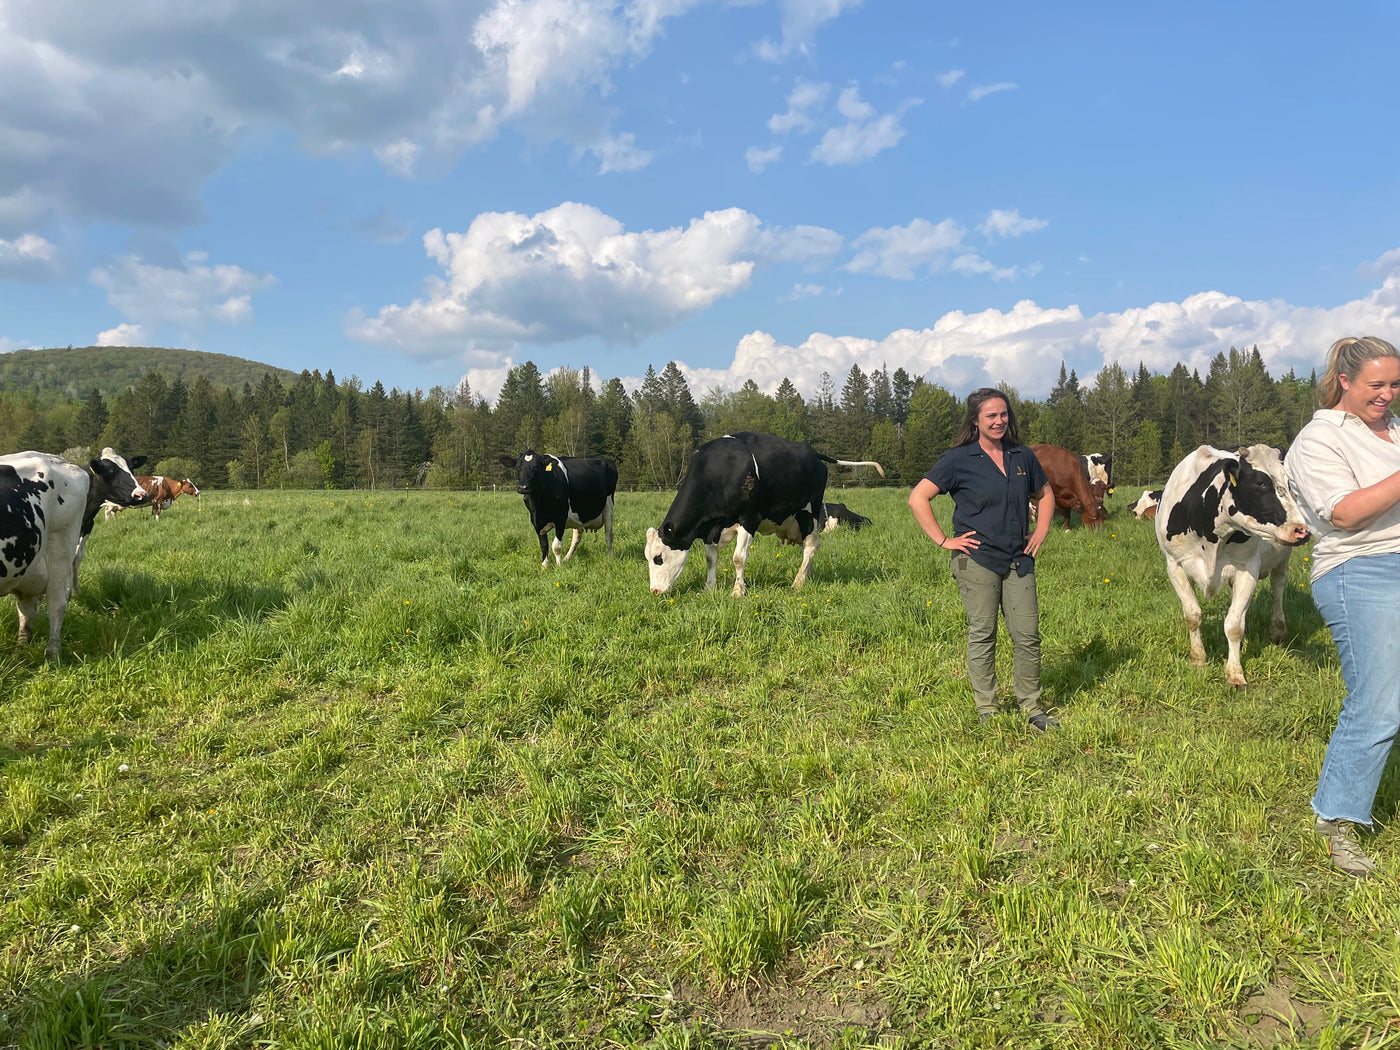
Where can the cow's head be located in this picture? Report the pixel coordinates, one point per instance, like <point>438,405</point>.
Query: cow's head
<point>189,488</point>
<point>664,563</point>
<point>113,475</point>
<point>1262,504</point>
<point>1094,515</point>
<point>532,469</point>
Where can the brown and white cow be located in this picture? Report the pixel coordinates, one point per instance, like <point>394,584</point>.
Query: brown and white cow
<point>162,490</point>
<point>1227,519</point>
<point>1072,488</point>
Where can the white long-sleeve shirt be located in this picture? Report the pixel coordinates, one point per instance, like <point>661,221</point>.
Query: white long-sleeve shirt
<point>1332,457</point>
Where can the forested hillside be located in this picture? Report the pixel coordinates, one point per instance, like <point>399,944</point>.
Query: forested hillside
<point>74,371</point>
<point>315,431</point>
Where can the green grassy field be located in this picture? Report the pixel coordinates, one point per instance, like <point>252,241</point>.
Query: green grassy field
<point>349,770</point>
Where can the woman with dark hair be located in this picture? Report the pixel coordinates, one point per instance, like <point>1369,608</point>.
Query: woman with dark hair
<point>992,477</point>
<point>1344,470</point>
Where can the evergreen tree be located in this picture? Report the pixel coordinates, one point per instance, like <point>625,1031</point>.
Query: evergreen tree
<point>1110,411</point>
<point>856,418</point>
<point>934,417</point>
<point>901,389</point>
<point>87,428</point>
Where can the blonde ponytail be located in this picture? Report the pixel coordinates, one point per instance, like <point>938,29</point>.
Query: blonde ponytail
<point>1346,358</point>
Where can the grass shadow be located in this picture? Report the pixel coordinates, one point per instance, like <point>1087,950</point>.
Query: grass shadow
<point>1085,667</point>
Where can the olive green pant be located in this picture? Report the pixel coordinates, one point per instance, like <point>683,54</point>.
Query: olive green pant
<point>983,593</point>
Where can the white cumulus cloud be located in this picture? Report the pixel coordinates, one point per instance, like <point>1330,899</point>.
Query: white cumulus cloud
<point>801,20</point>
<point>572,272</point>
<point>806,99</point>
<point>28,257</point>
<point>123,335</point>
<point>1388,263</point>
<point>758,159</point>
<point>864,134</point>
<point>120,113</point>
<point>1009,223</point>
<point>897,251</point>
<point>1026,343</point>
<point>951,77</point>
<point>980,92</point>
<point>189,296</point>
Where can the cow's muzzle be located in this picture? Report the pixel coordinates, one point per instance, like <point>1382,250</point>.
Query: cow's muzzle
<point>1293,534</point>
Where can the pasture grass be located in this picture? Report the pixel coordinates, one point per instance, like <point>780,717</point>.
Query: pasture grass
<point>350,770</point>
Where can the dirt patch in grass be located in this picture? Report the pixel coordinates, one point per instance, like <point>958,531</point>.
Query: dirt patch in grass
<point>1273,1015</point>
<point>813,1013</point>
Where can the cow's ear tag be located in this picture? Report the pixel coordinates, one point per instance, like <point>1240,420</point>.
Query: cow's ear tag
<point>1231,478</point>
<point>548,467</point>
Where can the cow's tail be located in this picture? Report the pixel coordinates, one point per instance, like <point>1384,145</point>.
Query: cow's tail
<point>852,463</point>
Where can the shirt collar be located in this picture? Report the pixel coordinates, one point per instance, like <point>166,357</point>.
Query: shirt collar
<point>1341,418</point>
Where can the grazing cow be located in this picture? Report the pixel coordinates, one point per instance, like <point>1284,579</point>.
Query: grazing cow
<point>1145,509</point>
<point>840,514</point>
<point>47,507</point>
<point>1228,519</point>
<point>567,492</point>
<point>742,485</point>
<point>1098,466</point>
<point>1072,488</point>
<point>162,490</point>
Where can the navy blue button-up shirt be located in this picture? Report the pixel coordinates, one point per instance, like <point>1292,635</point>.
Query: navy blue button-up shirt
<point>994,505</point>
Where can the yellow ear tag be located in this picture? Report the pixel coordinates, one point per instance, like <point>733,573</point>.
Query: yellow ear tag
<point>1231,478</point>
<point>548,467</point>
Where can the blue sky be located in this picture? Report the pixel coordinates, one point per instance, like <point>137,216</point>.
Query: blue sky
<point>417,191</point>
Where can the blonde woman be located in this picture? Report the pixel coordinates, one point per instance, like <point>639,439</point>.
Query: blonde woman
<point>1344,469</point>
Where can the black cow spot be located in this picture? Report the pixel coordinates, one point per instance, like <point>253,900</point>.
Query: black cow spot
<point>1200,504</point>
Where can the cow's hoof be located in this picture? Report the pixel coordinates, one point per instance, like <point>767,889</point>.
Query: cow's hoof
<point>1277,637</point>
<point>1198,661</point>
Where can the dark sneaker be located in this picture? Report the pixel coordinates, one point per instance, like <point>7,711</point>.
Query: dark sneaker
<point>1042,723</point>
<point>1347,855</point>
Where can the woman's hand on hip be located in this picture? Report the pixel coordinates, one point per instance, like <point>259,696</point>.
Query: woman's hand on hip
<point>1037,538</point>
<point>968,541</point>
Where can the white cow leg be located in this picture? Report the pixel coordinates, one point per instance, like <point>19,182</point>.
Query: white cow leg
<point>58,605</point>
<point>608,522</point>
<point>1242,591</point>
<point>1190,610</point>
<point>77,564</point>
<point>572,545</point>
<point>556,545</point>
<point>742,541</point>
<point>28,609</point>
<point>1278,581</point>
<point>711,561</point>
<point>809,551</point>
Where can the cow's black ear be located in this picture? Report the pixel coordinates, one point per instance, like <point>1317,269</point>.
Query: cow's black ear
<point>507,461</point>
<point>137,463</point>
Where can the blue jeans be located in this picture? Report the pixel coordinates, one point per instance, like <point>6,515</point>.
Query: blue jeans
<point>1360,600</point>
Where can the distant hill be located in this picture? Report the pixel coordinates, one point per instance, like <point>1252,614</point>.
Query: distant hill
<point>74,371</point>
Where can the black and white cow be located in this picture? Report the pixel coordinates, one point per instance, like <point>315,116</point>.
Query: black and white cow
<point>47,507</point>
<point>565,492</point>
<point>839,514</point>
<point>1226,519</point>
<point>1098,466</point>
<point>1145,509</point>
<point>742,485</point>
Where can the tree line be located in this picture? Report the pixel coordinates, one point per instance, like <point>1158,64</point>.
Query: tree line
<point>322,432</point>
